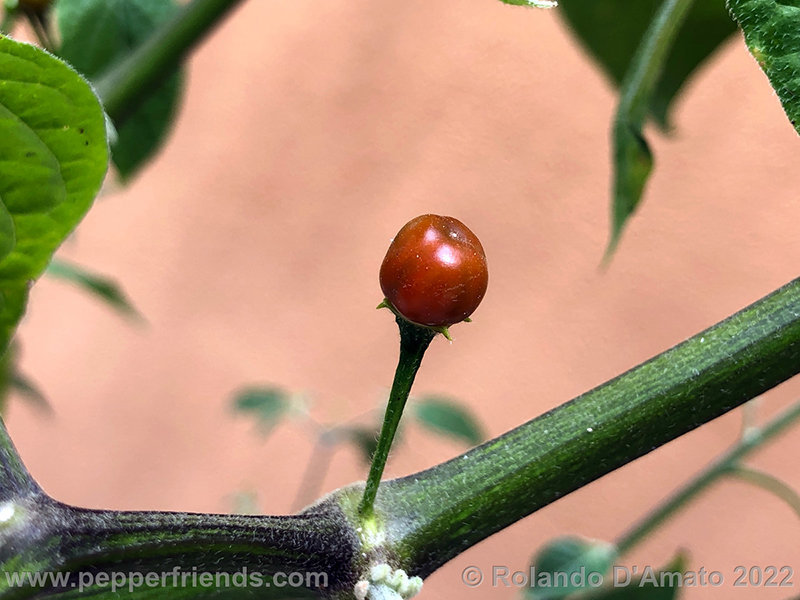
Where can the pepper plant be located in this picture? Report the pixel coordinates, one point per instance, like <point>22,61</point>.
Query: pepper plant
<point>379,539</point>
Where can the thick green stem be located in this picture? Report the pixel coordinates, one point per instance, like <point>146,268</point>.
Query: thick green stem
<point>724,465</point>
<point>414,341</point>
<point>49,537</point>
<point>39,534</point>
<point>130,82</point>
<point>434,515</point>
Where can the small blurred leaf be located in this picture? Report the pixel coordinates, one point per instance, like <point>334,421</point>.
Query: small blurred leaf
<point>245,503</point>
<point>28,390</point>
<point>661,584</point>
<point>563,566</point>
<point>772,34</point>
<point>364,438</point>
<point>448,417</point>
<point>12,380</point>
<point>612,29</point>
<point>96,35</point>
<point>268,405</point>
<point>101,287</point>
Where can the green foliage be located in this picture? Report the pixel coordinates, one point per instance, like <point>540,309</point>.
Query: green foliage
<point>12,380</point>
<point>633,162</point>
<point>447,417</point>
<point>269,405</point>
<point>649,48</point>
<point>611,30</point>
<point>632,158</point>
<point>772,33</point>
<point>101,287</point>
<point>563,566</point>
<point>53,158</point>
<point>28,390</point>
<point>98,34</point>
<point>364,439</point>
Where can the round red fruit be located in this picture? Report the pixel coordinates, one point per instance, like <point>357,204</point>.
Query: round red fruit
<point>435,271</point>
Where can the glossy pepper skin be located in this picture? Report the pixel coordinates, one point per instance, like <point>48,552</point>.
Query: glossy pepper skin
<point>435,271</point>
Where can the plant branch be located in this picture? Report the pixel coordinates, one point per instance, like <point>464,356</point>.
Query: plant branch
<point>727,464</point>
<point>769,483</point>
<point>432,516</point>
<point>50,537</point>
<point>126,85</point>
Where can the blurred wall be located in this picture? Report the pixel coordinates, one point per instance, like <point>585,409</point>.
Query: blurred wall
<point>310,133</point>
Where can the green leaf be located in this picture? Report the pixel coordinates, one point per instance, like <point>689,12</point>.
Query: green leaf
<point>96,35</point>
<point>653,584</point>
<point>611,30</point>
<point>26,388</point>
<point>632,158</point>
<point>449,418</point>
<point>53,157</point>
<point>633,162</point>
<point>772,34</point>
<point>13,380</point>
<point>245,502</point>
<point>364,438</point>
<point>267,404</point>
<point>99,286</point>
<point>568,564</point>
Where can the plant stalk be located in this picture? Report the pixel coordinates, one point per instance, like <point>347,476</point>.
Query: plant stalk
<point>414,341</point>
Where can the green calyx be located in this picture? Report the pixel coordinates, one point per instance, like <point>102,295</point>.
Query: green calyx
<point>445,331</point>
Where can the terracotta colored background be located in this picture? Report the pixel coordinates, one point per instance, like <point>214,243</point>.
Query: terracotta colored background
<point>311,132</point>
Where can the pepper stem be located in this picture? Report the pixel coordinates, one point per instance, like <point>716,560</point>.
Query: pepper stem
<point>414,341</point>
